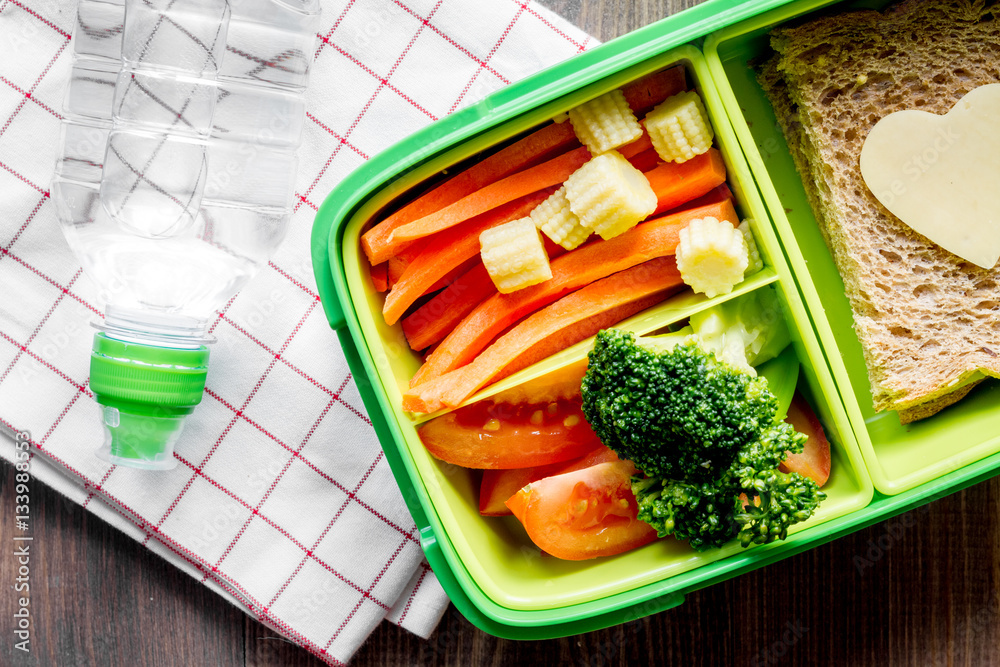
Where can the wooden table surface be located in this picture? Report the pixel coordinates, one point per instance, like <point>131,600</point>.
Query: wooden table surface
<point>919,590</point>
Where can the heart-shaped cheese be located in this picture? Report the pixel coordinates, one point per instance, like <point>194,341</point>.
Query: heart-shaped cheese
<point>941,174</point>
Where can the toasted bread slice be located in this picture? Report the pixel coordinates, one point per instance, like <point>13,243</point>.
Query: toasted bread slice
<point>928,321</point>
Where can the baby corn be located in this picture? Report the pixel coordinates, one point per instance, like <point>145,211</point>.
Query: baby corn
<point>557,221</point>
<point>609,195</point>
<point>605,123</point>
<point>754,261</point>
<point>514,255</point>
<point>679,128</point>
<point>712,256</point>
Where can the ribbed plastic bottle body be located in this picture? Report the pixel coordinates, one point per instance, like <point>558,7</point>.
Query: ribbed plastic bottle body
<point>182,117</point>
<point>173,187</point>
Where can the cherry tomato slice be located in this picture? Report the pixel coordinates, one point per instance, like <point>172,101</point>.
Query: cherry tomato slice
<point>504,435</point>
<point>583,514</point>
<point>814,461</point>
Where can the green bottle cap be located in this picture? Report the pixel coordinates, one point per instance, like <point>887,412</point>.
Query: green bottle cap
<point>145,392</point>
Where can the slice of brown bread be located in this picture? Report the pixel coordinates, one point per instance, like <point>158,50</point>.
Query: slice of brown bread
<point>928,321</point>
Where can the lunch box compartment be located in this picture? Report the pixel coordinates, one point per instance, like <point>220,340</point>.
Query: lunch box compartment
<point>899,457</point>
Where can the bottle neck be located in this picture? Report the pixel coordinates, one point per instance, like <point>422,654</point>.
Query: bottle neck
<point>151,328</point>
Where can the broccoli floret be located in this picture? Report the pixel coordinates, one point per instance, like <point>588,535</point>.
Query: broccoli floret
<point>703,514</point>
<point>750,500</point>
<point>706,433</point>
<point>782,499</point>
<point>679,412</point>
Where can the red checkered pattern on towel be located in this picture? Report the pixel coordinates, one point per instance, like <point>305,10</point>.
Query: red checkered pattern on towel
<point>282,500</point>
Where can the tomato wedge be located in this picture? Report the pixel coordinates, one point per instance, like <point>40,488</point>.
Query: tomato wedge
<point>583,514</point>
<point>499,485</point>
<point>505,435</point>
<point>814,461</point>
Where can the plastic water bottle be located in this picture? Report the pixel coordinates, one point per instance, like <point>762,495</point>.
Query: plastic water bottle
<point>173,187</point>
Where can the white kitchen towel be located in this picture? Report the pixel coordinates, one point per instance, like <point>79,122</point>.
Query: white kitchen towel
<point>282,500</point>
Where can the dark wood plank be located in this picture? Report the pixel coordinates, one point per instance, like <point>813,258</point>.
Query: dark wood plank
<point>100,598</point>
<point>607,19</point>
<point>917,590</point>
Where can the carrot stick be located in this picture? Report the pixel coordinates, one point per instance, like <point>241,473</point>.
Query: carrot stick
<point>591,261</point>
<point>452,275</point>
<point>397,265</point>
<point>545,175</point>
<point>646,160</point>
<point>675,183</point>
<point>380,278</point>
<point>655,277</point>
<point>435,319</point>
<point>640,145</point>
<point>432,321</point>
<point>537,147</point>
<point>713,196</point>
<point>640,152</point>
<point>650,90</point>
<point>585,328</point>
<point>448,250</point>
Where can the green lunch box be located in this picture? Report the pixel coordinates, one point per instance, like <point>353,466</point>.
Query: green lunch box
<point>489,568</point>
